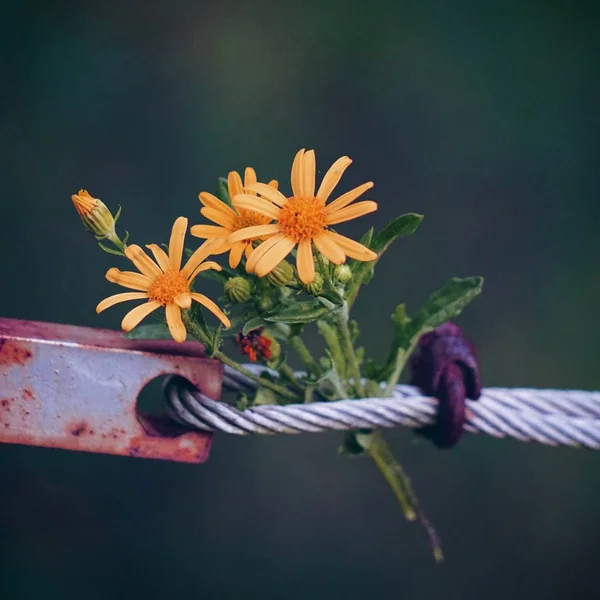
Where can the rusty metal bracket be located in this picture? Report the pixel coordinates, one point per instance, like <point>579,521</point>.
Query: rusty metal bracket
<point>76,388</point>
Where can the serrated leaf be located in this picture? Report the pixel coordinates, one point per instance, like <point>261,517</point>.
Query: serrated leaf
<point>223,191</point>
<point>301,312</point>
<point>253,323</point>
<point>155,331</point>
<point>447,303</point>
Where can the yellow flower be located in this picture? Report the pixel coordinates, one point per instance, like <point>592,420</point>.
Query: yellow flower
<point>230,220</point>
<point>303,219</point>
<point>163,283</point>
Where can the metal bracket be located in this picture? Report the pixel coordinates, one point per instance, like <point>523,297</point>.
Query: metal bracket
<point>76,388</point>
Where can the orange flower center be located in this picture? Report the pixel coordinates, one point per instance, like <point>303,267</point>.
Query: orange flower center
<point>168,286</point>
<point>247,218</point>
<point>302,218</point>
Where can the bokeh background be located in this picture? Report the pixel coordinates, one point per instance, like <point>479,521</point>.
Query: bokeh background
<point>481,115</point>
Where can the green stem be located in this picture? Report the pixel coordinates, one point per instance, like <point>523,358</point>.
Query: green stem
<point>392,471</point>
<point>297,343</point>
<point>401,359</point>
<point>203,337</point>
<point>341,322</point>
<point>278,389</point>
<point>289,374</point>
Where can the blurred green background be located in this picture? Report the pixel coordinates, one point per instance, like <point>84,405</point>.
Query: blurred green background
<point>481,115</point>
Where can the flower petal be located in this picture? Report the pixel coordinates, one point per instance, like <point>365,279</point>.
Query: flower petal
<point>220,217</point>
<point>174,323</point>
<point>205,266</point>
<point>211,201</point>
<point>234,184</point>
<point>249,176</point>
<point>129,279</point>
<point>256,231</point>
<point>235,256</point>
<point>258,205</point>
<point>273,256</point>
<point>296,173</point>
<point>200,255</point>
<point>274,184</point>
<point>352,212</point>
<point>117,298</point>
<point>268,192</point>
<point>133,317</point>
<point>348,197</point>
<point>261,249</point>
<point>183,300</point>
<point>214,309</point>
<point>142,261</point>
<point>329,249</point>
<point>209,231</point>
<point>304,262</point>
<point>351,248</point>
<point>332,177</point>
<point>176,242</point>
<point>309,168</point>
<point>160,256</point>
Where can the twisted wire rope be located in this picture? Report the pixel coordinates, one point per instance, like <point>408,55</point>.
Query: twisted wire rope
<point>551,417</point>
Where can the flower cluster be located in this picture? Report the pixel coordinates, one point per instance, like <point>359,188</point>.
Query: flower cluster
<point>260,223</point>
<point>287,269</point>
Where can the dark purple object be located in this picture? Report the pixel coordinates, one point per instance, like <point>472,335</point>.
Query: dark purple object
<point>444,365</point>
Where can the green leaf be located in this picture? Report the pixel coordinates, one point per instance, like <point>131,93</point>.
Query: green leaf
<point>265,396</point>
<point>301,312</point>
<point>109,250</point>
<point>223,191</point>
<point>400,226</point>
<point>118,215</point>
<point>332,296</point>
<point>155,331</point>
<point>447,303</point>
<point>363,271</point>
<point>365,240</point>
<point>350,447</point>
<point>253,323</point>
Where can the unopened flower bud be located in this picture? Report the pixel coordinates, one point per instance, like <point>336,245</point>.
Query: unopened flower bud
<point>282,274</point>
<point>94,214</point>
<point>316,286</point>
<point>238,289</point>
<point>342,274</point>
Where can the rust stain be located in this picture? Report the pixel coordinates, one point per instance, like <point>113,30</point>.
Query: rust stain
<point>189,447</point>
<point>28,394</point>
<point>78,429</point>
<point>14,353</point>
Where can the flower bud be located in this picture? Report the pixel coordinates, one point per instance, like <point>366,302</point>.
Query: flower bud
<point>94,214</point>
<point>342,274</point>
<point>282,274</point>
<point>238,289</point>
<point>316,286</point>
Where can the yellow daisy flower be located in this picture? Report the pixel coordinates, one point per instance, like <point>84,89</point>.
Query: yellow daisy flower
<point>303,219</point>
<point>230,219</point>
<point>163,283</point>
